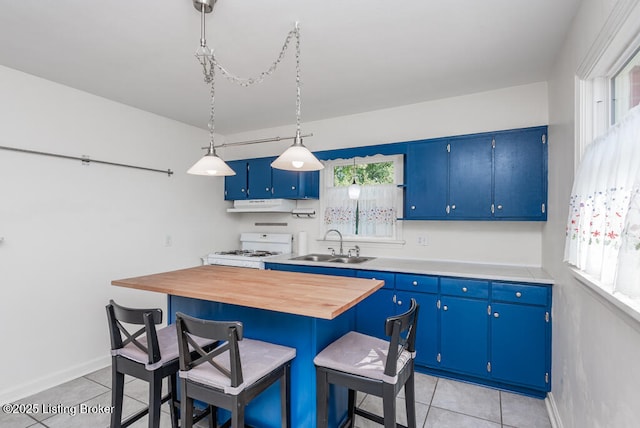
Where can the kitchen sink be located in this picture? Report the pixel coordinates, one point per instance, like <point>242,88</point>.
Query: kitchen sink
<point>346,259</point>
<point>314,257</point>
<point>332,259</point>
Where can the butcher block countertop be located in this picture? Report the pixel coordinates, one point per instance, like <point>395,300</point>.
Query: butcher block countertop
<point>318,296</point>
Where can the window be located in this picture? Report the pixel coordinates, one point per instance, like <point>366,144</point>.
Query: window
<point>373,215</point>
<point>603,228</point>
<point>625,88</point>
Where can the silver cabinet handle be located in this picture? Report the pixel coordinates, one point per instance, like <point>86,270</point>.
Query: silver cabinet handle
<point>413,207</point>
<point>266,188</point>
<point>293,187</point>
<point>415,283</point>
<point>445,308</point>
<point>499,207</point>
<point>518,294</point>
<point>242,190</point>
<point>464,289</point>
<point>496,315</point>
<point>453,207</point>
<point>399,302</point>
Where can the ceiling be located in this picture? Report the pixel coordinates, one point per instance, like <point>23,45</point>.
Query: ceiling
<point>356,55</point>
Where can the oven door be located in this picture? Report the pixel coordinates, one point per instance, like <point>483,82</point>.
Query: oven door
<point>239,261</point>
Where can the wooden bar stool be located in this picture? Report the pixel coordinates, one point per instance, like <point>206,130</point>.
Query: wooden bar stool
<point>373,366</point>
<point>146,354</point>
<point>233,373</point>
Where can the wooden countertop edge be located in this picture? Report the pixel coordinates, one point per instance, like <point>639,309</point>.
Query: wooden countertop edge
<point>325,312</point>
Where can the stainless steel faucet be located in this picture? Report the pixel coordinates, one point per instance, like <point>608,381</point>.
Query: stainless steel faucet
<point>339,234</point>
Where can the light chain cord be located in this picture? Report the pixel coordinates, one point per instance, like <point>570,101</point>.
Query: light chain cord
<point>210,63</point>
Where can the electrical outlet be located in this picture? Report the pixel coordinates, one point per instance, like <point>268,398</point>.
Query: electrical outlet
<point>168,241</point>
<point>422,240</point>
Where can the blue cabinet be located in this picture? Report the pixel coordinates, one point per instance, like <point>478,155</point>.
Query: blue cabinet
<point>490,176</point>
<point>322,270</point>
<point>491,332</point>
<point>427,178</point>
<point>235,186</point>
<point>464,326</point>
<point>470,177</point>
<point>372,312</point>
<point>259,178</point>
<point>520,159</point>
<point>255,179</point>
<point>521,335</point>
<point>295,185</point>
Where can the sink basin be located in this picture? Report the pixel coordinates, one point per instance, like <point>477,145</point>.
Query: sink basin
<point>314,257</point>
<point>349,260</point>
<point>331,259</point>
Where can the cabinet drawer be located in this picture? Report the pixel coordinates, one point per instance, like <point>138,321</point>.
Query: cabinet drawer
<point>420,283</point>
<point>388,277</point>
<point>465,287</point>
<point>519,293</point>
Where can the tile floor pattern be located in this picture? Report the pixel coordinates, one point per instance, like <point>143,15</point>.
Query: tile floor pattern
<point>440,403</point>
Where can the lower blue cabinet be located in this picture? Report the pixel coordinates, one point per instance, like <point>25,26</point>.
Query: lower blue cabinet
<point>463,335</point>
<point>373,311</point>
<point>518,351</point>
<point>496,333</point>
<point>427,331</point>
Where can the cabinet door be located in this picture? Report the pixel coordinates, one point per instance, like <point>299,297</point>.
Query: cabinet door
<point>373,311</point>
<point>427,332</point>
<point>235,186</point>
<point>426,180</point>
<point>520,174</point>
<point>470,178</point>
<point>464,335</point>
<point>259,178</point>
<point>519,345</point>
<point>295,185</point>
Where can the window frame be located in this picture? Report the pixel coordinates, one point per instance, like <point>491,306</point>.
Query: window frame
<point>326,180</point>
<point>616,44</point>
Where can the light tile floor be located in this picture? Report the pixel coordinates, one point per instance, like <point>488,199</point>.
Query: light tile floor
<point>440,403</point>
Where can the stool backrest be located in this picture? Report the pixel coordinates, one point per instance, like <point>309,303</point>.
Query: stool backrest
<point>148,318</point>
<point>402,329</point>
<point>227,332</point>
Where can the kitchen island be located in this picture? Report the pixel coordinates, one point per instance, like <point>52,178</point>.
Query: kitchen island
<point>303,311</point>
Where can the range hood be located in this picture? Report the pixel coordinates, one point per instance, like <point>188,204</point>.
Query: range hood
<point>263,206</point>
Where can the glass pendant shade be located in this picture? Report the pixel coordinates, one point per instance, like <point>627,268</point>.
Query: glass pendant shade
<point>211,165</point>
<point>354,190</point>
<point>297,158</point>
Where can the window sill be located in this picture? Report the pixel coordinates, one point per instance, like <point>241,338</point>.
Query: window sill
<point>367,240</point>
<point>629,309</point>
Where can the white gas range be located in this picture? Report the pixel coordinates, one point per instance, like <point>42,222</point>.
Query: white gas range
<point>255,248</point>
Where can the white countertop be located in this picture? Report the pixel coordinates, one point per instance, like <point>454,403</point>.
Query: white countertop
<point>529,274</point>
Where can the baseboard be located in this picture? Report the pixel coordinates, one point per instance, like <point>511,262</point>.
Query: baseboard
<point>552,410</point>
<point>33,387</point>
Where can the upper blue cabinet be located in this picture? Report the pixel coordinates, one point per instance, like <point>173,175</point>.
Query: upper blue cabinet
<point>255,179</point>
<point>491,176</point>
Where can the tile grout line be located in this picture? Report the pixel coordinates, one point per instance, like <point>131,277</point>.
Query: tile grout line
<point>500,402</point>
<point>465,414</point>
<point>424,424</point>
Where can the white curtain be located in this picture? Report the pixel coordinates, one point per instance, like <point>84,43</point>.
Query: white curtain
<point>376,210</point>
<point>603,229</point>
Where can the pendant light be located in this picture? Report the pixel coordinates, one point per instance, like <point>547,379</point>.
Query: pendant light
<point>354,188</point>
<point>297,157</point>
<point>210,164</point>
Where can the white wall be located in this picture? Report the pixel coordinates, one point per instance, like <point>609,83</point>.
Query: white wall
<point>489,242</point>
<point>70,229</point>
<point>595,347</point>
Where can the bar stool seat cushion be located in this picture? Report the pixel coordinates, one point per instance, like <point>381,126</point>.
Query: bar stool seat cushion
<point>361,355</point>
<point>257,359</point>
<point>167,342</point>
